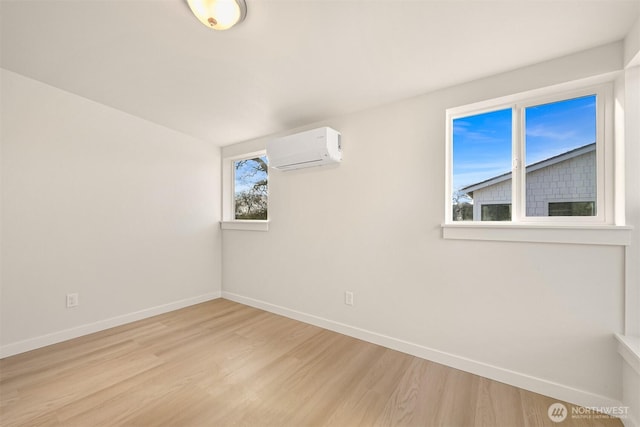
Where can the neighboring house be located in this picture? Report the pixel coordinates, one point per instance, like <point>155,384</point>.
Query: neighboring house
<point>563,185</point>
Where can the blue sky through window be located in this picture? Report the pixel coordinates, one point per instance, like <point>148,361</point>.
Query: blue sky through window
<point>482,143</point>
<point>481,147</point>
<point>556,128</point>
<point>247,174</point>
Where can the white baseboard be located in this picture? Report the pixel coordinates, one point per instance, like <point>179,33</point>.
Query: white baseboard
<point>517,379</point>
<point>101,325</point>
<point>629,422</point>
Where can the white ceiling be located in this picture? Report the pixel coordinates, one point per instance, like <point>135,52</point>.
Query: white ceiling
<point>291,62</point>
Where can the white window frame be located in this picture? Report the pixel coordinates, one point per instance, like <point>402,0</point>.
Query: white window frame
<point>228,196</point>
<point>599,229</point>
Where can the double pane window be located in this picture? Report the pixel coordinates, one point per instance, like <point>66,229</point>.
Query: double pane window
<point>529,161</point>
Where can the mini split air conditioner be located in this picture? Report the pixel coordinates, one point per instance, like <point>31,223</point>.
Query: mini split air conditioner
<point>315,147</point>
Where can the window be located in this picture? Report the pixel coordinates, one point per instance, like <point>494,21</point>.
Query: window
<point>245,184</point>
<point>572,209</point>
<point>528,159</point>
<point>250,186</point>
<point>500,212</point>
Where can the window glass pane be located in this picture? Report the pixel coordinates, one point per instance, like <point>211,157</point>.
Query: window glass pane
<point>481,163</point>
<point>572,209</point>
<point>496,212</point>
<point>560,150</point>
<point>251,188</point>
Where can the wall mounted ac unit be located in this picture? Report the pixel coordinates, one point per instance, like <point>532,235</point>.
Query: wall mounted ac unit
<point>315,147</point>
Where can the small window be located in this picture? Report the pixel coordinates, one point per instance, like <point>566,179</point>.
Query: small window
<point>245,192</point>
<point>250,185</point>
<point>572,208</point>
<point>498,212</point>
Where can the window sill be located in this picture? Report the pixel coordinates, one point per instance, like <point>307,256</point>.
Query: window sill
<point>585,235</point>
<point>247,225</point>
<point>629,349</point>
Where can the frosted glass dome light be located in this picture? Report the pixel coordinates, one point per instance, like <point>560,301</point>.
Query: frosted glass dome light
<point>219,14</point>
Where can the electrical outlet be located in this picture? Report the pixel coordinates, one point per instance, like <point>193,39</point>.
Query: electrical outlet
<point>348,297</point>
<point>72,300</point>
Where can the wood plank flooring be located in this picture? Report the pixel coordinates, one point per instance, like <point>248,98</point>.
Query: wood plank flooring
<point>225,364</point>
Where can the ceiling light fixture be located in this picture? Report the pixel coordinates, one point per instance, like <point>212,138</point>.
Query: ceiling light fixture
<point>219,14</point>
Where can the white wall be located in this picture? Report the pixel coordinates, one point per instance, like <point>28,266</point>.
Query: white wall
<point>631,368</point>
<point>95,201</point>
<point>540,316</point>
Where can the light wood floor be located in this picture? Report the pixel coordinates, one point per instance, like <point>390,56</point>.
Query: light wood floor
<point>221,363</point>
